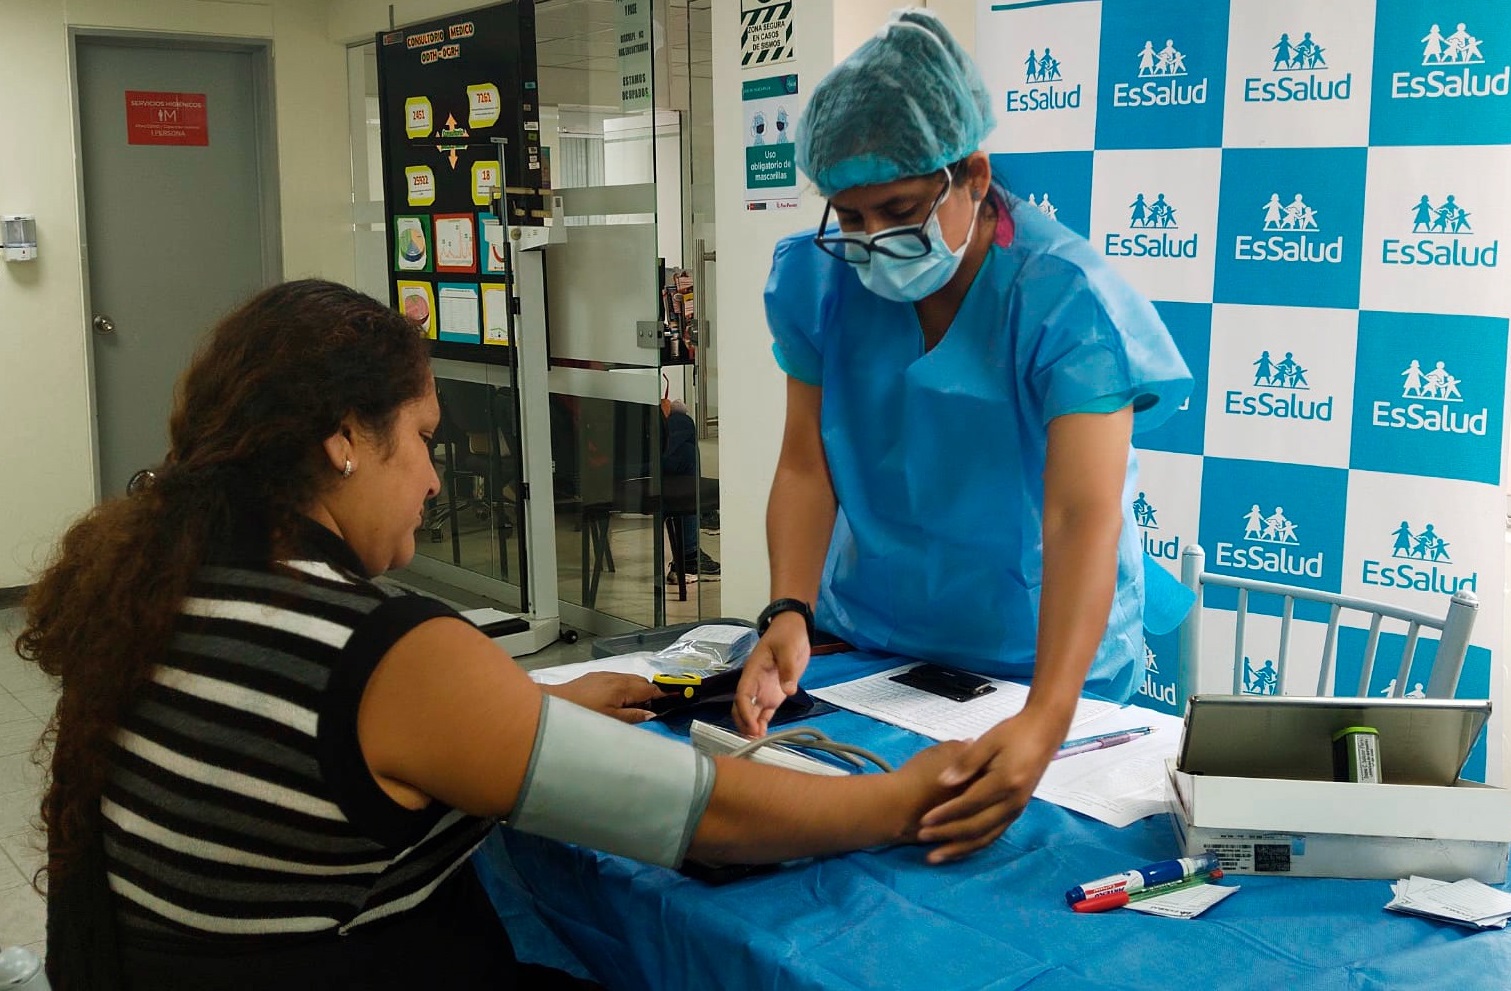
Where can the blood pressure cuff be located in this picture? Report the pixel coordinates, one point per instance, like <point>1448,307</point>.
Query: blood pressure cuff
<point>604,784</point>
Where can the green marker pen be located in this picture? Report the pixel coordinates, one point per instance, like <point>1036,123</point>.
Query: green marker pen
<point>1165,889</point>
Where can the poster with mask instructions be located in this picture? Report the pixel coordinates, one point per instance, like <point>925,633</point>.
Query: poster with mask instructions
<point>770,110</point>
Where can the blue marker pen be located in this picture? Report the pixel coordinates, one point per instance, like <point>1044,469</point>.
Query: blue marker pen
<point>1145,877</point>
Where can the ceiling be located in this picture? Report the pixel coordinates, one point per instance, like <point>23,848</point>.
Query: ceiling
<point>584,34</point>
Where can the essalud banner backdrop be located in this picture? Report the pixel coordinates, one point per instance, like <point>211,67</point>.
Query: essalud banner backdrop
<point>1314,197</point>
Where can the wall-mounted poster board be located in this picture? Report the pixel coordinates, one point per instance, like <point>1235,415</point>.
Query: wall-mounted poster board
<point>446,89</point>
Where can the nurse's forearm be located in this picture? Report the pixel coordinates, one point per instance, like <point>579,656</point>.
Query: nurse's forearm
<point>799,523</point>
<point>800,513</point>
<point>1080,578</point>
<point>1084,471</point>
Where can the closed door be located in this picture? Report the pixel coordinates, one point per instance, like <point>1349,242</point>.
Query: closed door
<point>178,217</point>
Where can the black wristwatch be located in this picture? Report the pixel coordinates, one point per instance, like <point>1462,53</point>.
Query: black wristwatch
<point>779,606</point>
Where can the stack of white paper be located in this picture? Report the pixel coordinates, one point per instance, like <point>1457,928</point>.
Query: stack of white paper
<point>1464,903</point>
<point>1122,784</point>
<point>639,663</point>
<point>1118,785</point>
<point>879,697</point>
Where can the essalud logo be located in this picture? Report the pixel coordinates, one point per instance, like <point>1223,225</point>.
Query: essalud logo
<point>1150,688</point>
<point>1044,206</point>
<point>1289,233</point>
<point>1154,221</point>
<point>1454,67</point>
<point>1445,241</point>
<point>1161,80</point>
<point>1297,75</point>
<point>1280,391</point>
<point>1146,517</point>
<point>1419,560</point>
<point>1270,546</point>
<point>1431,401</point>
<point>1260,680</point>
<point>1043,86</point>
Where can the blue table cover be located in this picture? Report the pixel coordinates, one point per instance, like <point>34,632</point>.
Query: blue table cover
<point>994,922</point>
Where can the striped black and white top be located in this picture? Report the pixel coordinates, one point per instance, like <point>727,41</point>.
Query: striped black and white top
<point>238,807</point>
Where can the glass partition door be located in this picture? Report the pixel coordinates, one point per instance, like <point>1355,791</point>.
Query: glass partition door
<point>470,542</point>
<point>624,111</point>
<point>629,543</point>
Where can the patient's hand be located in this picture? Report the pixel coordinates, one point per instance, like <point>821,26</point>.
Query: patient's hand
<point>999,772</point>
<point>617,695</point>
<point>921,776</point>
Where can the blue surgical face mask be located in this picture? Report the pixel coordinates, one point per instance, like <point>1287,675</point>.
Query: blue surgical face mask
<point>907,280</point>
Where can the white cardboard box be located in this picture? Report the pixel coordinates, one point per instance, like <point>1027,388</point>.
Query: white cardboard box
<point>1342,829</point>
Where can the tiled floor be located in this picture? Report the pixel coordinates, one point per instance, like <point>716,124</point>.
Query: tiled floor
<point>26,700</point>
<point>626,592</point>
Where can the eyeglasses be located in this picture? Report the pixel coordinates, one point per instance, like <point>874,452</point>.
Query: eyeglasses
<point>899,242</point>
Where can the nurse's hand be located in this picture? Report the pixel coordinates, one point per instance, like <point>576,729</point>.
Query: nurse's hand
<point>1002,768</point>
<point>771,673</point>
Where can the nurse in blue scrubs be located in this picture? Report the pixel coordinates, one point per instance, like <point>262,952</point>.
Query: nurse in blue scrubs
<point>964,378</point>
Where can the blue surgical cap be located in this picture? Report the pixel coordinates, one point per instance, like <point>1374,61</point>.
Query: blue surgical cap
<point>907,102</point>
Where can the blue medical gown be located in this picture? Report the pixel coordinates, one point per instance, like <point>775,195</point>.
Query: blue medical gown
<point>937,458</point>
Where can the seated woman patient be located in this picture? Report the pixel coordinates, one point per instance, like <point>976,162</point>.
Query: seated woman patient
<point>269,771</point>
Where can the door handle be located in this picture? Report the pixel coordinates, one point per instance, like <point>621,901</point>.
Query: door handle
<point>104,325</point>
<point>141,481</point>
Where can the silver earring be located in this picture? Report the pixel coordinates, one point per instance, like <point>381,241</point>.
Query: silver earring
<point>347,471</point>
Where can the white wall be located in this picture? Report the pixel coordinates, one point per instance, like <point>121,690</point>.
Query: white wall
<point>751,387</point>
<point>47,471</point>
<point>350,21</point>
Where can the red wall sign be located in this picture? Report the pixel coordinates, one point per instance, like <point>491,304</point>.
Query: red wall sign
<point>166,118</point>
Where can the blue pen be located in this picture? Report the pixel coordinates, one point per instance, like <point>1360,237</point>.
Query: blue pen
<point>1101,741</point>
<point>1135,731</point>
<point>1145,877</point>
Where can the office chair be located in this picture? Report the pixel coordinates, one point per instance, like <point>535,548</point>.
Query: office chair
<point>471,435</point>
<point>681,496</point>
<point>615,443</point>
<point>592,432</point>
<point>1454,626</point>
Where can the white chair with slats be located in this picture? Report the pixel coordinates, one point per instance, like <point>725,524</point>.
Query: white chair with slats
<point>1454,628</point>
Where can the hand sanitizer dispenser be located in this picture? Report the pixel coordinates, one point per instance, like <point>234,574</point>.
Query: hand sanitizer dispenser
<point>18,237</point>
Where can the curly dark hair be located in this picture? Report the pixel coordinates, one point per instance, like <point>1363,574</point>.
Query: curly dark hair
<point>272,381</point>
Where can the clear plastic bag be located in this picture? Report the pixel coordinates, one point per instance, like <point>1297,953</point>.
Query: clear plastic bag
<point>706,650</point>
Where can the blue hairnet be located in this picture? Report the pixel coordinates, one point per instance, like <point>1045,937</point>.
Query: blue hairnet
<point>907,102</point>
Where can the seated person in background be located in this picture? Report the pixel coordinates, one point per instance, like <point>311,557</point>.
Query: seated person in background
<point>269,771</point>
<point>679,457</point>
